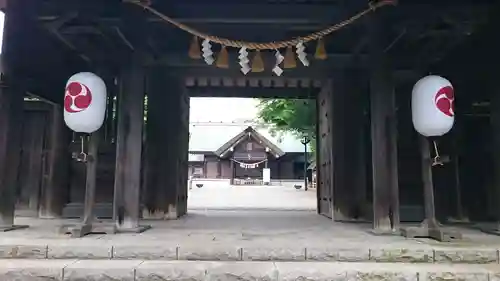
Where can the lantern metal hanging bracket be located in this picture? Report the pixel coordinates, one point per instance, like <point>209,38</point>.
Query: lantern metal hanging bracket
<point>82,156</point>
<point>439,160</point>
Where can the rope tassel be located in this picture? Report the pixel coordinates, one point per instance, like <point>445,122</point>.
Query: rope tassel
<point>320,50</point>
<point>223,58</point>
<point>289,58</point>
<point>258,62</point>
<point>194,49</point>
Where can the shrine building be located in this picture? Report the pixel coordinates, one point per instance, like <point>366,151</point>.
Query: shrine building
<point>239,153</point>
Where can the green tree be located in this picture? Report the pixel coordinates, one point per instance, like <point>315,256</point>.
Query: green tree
<point>297,116</point>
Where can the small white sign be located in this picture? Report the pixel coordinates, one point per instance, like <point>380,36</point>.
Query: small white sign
<point>266,175</point>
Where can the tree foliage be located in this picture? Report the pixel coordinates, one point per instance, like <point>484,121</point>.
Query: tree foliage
<point>297,116</point>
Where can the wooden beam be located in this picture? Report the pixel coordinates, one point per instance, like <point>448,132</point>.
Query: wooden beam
<point>68,44</point>
<point>259,92</point>
<point>124,38</point>
<point>59,22</point>
<point>222,13</point>
<point>54,28</point>
<point>133,29</point>
<point>268,79</point>
<point>271,13</point>
<point>251,82</point>
<point>183,60</point>
<point>317,68</point>
<point>234,74</point>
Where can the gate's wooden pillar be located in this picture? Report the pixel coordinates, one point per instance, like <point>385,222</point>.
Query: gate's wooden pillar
<point>348,141</point>
<point>110,122</point>
<point>338,123</point>
<point>495,134</point>
<point>183,160</point>
<point>129,147</point>
<point>324,162</point>
<point>166,140</point>
<point>382,106</point>
<point>11,110</point>
<point>55,186</point>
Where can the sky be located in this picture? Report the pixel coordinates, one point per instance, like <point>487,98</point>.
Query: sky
<point>222,109</point>
<point>2,19</point>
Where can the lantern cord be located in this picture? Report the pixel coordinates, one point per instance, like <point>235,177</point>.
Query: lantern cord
<point>266,45</point>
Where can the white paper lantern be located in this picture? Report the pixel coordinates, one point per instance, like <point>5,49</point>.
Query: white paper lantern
<point>432,106</point>
<point>85,102</point>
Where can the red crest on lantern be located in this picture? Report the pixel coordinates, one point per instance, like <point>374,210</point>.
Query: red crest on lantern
<point>78,97</point>
<point>445,101</point>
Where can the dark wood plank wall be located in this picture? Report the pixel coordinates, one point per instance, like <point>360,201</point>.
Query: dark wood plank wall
<point>32,151</point>
<point>43,171</point>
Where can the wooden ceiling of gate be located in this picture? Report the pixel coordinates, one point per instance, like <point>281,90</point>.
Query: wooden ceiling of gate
<point>72,34</point>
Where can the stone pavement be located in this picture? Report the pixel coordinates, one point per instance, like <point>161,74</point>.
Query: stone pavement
<point>247,236</point>
<point>244,233</point>
<point>131,270</point>
<point>221,197</point>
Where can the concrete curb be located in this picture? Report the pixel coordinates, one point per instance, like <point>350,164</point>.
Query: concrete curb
<point>139,270</point>
<point>86,251</point>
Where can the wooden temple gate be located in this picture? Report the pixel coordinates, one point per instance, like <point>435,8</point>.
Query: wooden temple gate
<point>140,159</point>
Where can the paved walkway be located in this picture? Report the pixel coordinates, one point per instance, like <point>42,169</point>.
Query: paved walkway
<point>246,235</point>
<point>259,223</point>
<point>147,270</point>
<point>251,198</point>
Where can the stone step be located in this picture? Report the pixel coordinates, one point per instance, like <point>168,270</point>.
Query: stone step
<point>132,270</point>
<point>100,250</point>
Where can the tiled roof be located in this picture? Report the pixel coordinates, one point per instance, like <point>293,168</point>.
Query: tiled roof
<point>210,136</point>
